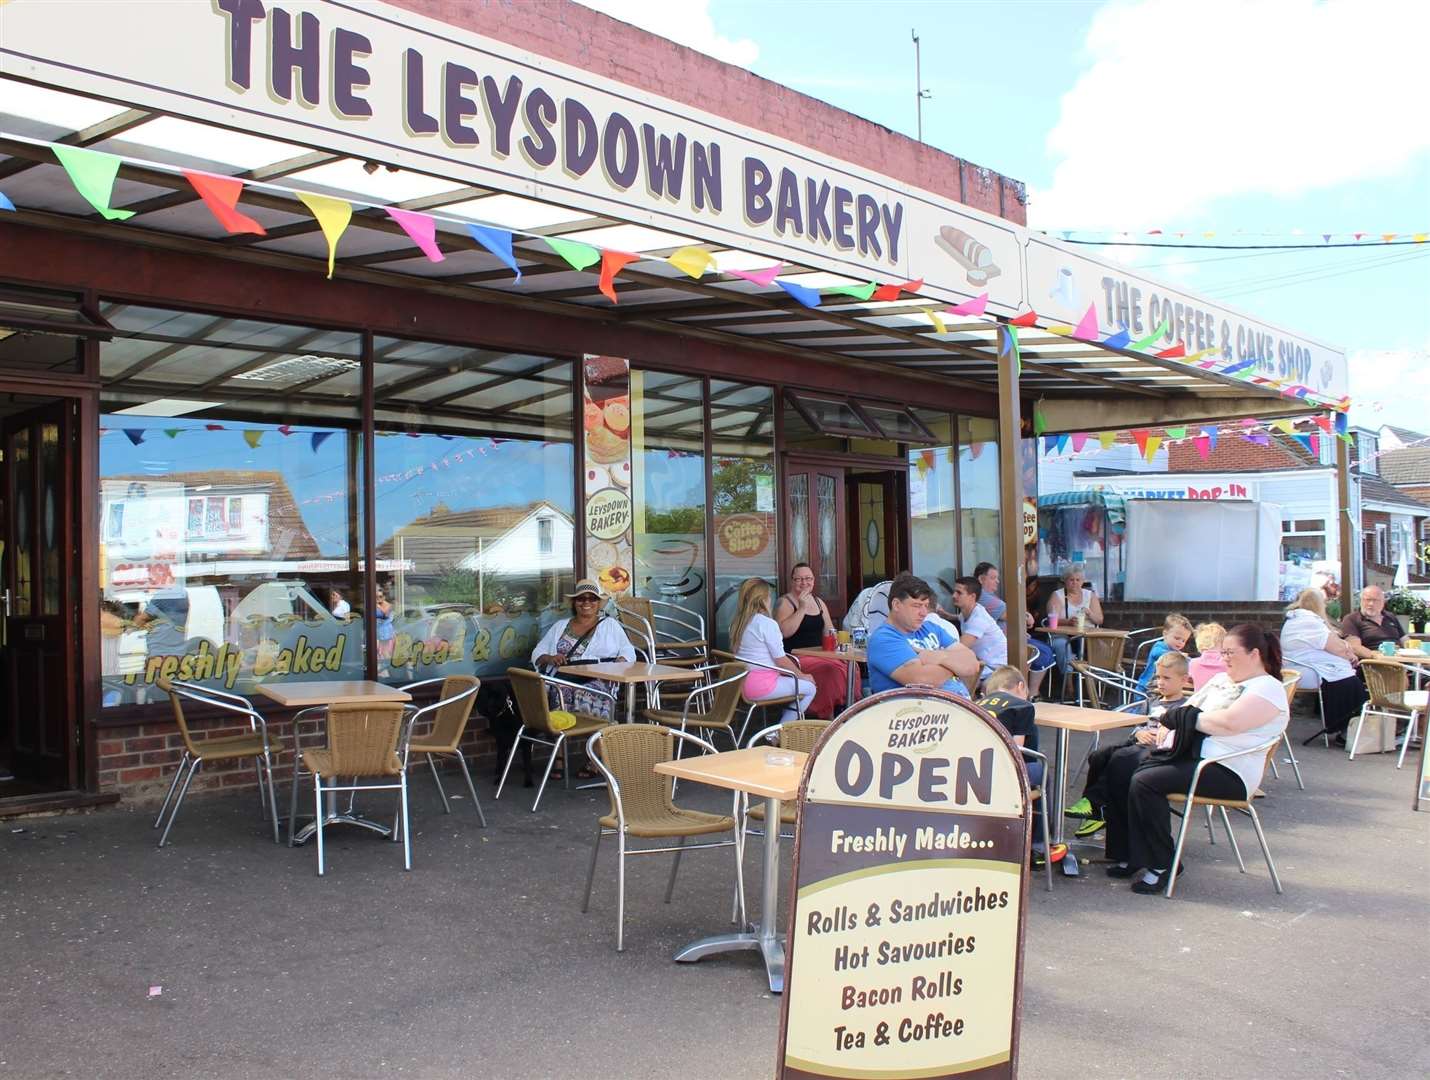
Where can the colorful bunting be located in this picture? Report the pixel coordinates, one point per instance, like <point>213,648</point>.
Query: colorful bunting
<point>498,243</point>
<point>1259,440</point>
<point>1203,445</point>
<point>1342,423</point>
<point>134,435</point>
<point>333,216</point>
<point>1322,421</point>
<point>1040,422</point>
<point>1050,443</point>
<point>1211,433</point>
<point>1027,319</point>
<point>285,430</point>
<point>1156,335</point>
<point>1008,346</point>
<point>253,436</point>
<point>319,437</point>
<point>1305,441</point>
<point>1061,329</point>
<point>5,203</point>
<point>891,291</point>
<point>1062,442</point>
<point>220,194</point>
<point>858,292</point>
<point>577,254</point>
<point>803,293</point>
<point>1176,433</point>
<point>421,228</point>
<point>1087,326</point>
<point>1106,438</point>
<point>1149,450</point>
<point>977,306</point>
<point>1140,437</point>
<point>692,261</point>
<point>214,427</point>
<point>611,263</point>
<point>938,324</point>
<point>172,432</point>
<point>92,172</point>
<point>1118,340</point>
<point>1284,426</point>
<point>763,277</point>
<point>1079,440</point>
<point>1176,352</point>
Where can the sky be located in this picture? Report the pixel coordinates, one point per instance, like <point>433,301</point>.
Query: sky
<point>1285,117</point>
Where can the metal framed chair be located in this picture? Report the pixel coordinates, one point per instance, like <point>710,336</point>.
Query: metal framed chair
<point>256,744</point>
<point>710,707</point>
<point>529,689</point>
<point>642,807</point>
<point>800,735</point>
<point>675,633</point>
<point>1383,679</point>
<point>1035,794</point>
<point>1244,806</point>
<point>1101,649</point>
<point>1108,688</point>
<point>1291,680</point>
<point>783,701</point>
<point>1140,641</point>
<point>363,742</point>
<point>449,716</point>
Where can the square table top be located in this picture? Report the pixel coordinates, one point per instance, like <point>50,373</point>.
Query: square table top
<point>1076,718</point>
<point>637,671</point>
<point>1411,656</point>
<point>1415,700</point>
<point>741,770</point>
<point>301,695</point>
<point>858,656</point>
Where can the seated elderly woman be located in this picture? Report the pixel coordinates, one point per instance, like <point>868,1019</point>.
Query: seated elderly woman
<point>1253,712</point>
<point>1066,604</point>
<point>1312,645</point>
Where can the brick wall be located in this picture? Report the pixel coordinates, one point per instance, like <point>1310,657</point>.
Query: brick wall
<point>1122,615</point>
<point>605,46</point>
<point>138,761</point>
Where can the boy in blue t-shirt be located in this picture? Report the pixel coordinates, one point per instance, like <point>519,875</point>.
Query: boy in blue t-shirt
<point>910,651</point>
<point>1176,632</point>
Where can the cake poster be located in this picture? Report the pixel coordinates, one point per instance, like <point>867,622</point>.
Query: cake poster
<point>606,403</point>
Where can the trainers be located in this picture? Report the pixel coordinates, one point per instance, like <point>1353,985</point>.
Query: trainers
<point>1082,808</point>
<point>1056,852</point>
<point>1089,827</point>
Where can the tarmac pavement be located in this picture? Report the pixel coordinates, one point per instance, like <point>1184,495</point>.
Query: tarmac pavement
<point>479,962</point>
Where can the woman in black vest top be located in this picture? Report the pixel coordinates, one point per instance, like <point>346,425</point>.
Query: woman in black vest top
<point>803,619</point>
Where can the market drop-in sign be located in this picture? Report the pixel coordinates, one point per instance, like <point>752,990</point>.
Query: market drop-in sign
<point>906,932</point>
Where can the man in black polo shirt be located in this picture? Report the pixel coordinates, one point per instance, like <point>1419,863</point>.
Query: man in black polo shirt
<point>1367,628</point>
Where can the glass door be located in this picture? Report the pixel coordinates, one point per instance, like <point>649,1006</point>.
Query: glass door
<point>815,510</point>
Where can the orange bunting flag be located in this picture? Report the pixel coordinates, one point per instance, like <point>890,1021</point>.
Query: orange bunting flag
<point>611,263</point>
<point>1028,318</point>
<point>220,194</point>
<point>1140,437</point>
<point>1176,352</point>
<point>1388,237</point>
<point>333,217</point>
<point>1322,421</point>
<point>1149,451</point>
<point>891,292</point>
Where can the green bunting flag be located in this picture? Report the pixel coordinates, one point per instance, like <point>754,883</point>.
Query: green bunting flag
<point>579,255</point>
<point>92,172</point>
<point>858,292</point>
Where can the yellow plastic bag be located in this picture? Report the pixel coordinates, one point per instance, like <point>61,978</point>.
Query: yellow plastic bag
<point>561,719</point>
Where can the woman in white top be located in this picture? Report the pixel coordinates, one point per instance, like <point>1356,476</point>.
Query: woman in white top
<point>1073,599</point>
<point>586,635</point>
<point>1312,645</point>
<point>756,637</point>
<point>1259,714</point>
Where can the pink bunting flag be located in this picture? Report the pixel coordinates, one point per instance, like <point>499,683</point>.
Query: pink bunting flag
<point>1079,440</point>
<point>1086,328</point>
<point>220,194</point>
<point>421,228</point>
<point>765,277</point>
<point>976,306</point>
<point>1203,445</point>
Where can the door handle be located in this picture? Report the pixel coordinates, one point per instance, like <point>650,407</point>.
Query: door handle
<point>5,596</point>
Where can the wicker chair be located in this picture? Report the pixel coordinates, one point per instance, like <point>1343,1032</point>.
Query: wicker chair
<point>529,689</point>
<point>642,807</point>
<point>255,744</point>
<point>721,700</point>
<point>449,715</point>
<point>1244,806</point>
<point>800,735</point>
<point>675,633</point>
<point>1291,680</point>
<point>362,743</point>
<point>1382,679</point>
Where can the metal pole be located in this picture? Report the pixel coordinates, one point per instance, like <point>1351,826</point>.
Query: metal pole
<point>1010,517</point>
<point>1343,518</point>
<point>920,94</point>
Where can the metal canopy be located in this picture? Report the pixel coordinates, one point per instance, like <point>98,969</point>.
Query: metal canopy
<point>1080,385</point>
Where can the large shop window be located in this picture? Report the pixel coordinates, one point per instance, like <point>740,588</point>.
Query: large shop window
<point>230,524</point>
<point>668,496</point>
<point>742,472</point>
<point>932,513</point>
<point>978,492</point>
<point>474,506</point>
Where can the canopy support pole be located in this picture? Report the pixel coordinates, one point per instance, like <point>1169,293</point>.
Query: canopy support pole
<point>1010,482</point>
<point>1344,520</point>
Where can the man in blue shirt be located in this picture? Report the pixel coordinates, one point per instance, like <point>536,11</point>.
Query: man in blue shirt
<point>909,651</point>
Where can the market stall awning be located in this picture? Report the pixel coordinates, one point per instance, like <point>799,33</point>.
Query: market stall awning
<point>1099,348</point>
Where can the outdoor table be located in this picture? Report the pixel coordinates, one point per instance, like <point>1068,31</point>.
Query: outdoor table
<point>1066,719</point>
<point>748,771</point>
<point>631,674</point>
<point>1416,659</point>
<point>854,657</point>
<point>319,694</point>
<point>1415,702</point>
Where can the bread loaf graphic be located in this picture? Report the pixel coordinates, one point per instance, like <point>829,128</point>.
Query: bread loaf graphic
<point>974,257</point>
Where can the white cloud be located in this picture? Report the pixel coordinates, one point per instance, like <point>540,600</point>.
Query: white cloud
<point>1184,103</point>
<point>1390,386</point>
<point>686,22</point>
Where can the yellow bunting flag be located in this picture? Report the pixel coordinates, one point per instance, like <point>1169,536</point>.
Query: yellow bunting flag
<point>1153,442</point>
<point>1106,438</point>
<point>333,216</point>
<point>1285,426</point>
<point>938,324</point>
<point>1061,330</point>
<point>693,261</point>
<point>253,437</point>
<point>1420,237</point>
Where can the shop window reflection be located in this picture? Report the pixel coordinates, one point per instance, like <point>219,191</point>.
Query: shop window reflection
<point>743,493</point>
<point>978,491</point>
<point>932,535</point>
<point>474,506</point>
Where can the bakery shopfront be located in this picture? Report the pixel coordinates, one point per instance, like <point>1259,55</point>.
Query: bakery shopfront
<point>336,342</point>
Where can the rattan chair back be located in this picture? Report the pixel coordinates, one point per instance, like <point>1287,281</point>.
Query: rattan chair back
<point>1292,681</point>
<point>726,698</point>
<point>530,694</point>
<point>450,719</point>
<point>631,752</point>
<point>176,702</point>
<point>801,735</point>
<point>1383,678</point>
<point>1104,648</point>
<point>362,738</point>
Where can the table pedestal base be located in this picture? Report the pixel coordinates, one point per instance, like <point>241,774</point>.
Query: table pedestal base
<point>332,817</point>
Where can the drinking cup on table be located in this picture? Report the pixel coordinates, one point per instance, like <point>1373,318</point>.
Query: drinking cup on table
<point>842,636</point>
<point>1052,622</point>
<point>1387,648</point>
<point>829,641</point>
<point>1425,646</point>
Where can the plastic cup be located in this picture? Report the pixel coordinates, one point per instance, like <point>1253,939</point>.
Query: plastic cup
<point>1052,622</point>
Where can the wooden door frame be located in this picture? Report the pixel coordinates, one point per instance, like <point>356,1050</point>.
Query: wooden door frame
<point>84,594</point>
